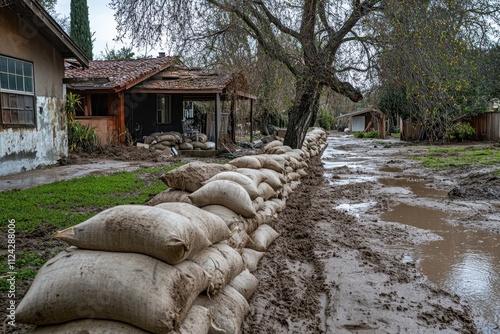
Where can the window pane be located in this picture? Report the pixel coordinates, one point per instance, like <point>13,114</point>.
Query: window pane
<point>14,117</point>
<point>28,72</point>
<point>11,66</point>
<point>6,116</point>
<point>12,82</point>
<point>21,116</point>
<point>19,67</point>
<point>3,64</point>
<point>28,85</point>
<point>4,80</point>
<point>20,83</point>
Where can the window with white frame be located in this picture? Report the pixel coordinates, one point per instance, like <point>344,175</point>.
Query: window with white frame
<point>17,96</point>
<point>163,114</point>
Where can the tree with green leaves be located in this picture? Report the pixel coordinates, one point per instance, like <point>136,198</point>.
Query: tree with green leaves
<point>80,26</point>
<point>430,61</point>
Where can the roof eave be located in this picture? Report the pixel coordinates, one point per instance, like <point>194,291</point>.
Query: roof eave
<point>43,23</point>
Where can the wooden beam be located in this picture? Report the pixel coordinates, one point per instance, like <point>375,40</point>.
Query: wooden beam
<point>251,120</point>
<point>217,120</point>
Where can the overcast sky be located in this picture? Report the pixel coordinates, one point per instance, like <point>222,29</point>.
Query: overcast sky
<point>102,22</point>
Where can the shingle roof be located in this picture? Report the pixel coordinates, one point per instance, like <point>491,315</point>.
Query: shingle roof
<point>116,74</point>
<point>187,79</point>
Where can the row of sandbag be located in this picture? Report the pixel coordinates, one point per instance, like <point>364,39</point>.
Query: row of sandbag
<point>209,268</point>
<point>144,266</point>
<point>163,140</point>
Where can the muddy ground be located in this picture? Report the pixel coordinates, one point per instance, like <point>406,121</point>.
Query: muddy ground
<point>335,271</point>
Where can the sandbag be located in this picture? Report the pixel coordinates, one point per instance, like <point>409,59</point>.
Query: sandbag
<point>245,283</point>
<point>238,240</point>
<point>170,195</point>
<point>189,177</point>
<point>255,174</point>
<point>227,309</point>
<point>246,182</point>
<point>214,227</point>
<point>222,263</point>
<point>185,146</point>
<point>262,237</point>
<point>156,232</point>
<point>229,216</point>
<point>274,144</point>
<point>270,163</point>
<point>167,137</point>
<point>302,172</point>
<point>200,145</point>
<point>197,321</point>
<point>280,204</point>
<point>251,258</point>
<point>246,162</point>
<point>258,203</point>
<point>266,191</point>
<point>226,193</point>
<point>200,137</point>
<point>274,179</point>
<point>132,288</point>
<point>89,326</point>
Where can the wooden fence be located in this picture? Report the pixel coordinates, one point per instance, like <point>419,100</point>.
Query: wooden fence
<point>487,126</point>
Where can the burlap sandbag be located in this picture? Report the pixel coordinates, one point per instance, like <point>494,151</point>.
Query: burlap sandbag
<point>255,174</point>
<point>132,288</point>
<point>189,177</point>
<point>262,237</point>
<point>239,239</point>
<point>197,321</point>
<point>266,191</point>
<point>199,145</point>
<point>251,258</point>
<point>228,215</point>
<point>167,137</point>
<point>222,263</point>
<point>156,232</point>
<point>185,146</point>
<point>258,203</point>
<point>89,326</point>
<point>227,309</point>
<point>274,144</point>
<point>246,162</point>
<point>246,182</point>
<point>274,179</point>
<point>245,283</point>
<point>226,193</point>
<point>279,204</point>
<point>269,162</point>
<point>170,195</point>
<point>302,172</point>
<point>214,227</point>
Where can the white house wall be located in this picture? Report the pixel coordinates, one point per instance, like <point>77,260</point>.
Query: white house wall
<point>23,149</point>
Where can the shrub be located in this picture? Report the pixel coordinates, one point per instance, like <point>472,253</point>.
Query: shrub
<point>371,134</point>
<point>462,131</point>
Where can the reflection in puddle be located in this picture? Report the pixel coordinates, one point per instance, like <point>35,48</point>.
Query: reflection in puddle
<point>417,186</point>
<point>464,262</point>
<point>355,209</point>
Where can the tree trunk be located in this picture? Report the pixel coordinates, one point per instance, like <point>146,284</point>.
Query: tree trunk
<point>302,113</point>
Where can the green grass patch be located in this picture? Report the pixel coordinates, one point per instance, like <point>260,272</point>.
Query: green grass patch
<point>371,134</point>
<point>66,203</point>
<point>447,158</point>
<point>27,265</point>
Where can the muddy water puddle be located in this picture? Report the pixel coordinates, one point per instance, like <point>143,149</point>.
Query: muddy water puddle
<point>464,262</point>
<point>416,184</point>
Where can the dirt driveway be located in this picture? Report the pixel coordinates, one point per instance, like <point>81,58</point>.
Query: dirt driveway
<point>338,267</point>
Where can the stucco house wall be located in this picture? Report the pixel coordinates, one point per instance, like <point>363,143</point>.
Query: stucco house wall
<point>22,146</point>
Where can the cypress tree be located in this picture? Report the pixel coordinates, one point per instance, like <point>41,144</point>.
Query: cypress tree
<point>80,26</point>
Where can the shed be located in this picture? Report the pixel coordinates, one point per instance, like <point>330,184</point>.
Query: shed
<point>366,120</point>
<point>33,124</point>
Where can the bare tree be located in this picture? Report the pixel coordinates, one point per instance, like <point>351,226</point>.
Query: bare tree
<point>321,42</point>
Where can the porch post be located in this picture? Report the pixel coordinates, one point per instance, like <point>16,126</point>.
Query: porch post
<point>251,120</point>
<point>217,120</point>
